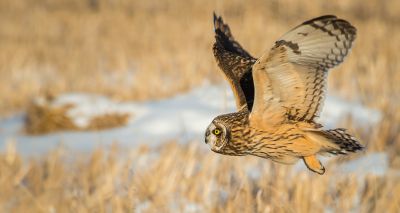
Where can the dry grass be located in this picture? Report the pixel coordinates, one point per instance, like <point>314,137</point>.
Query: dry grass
<point>107,121</point>
<point>42,118</point>
<point>180,178</point>
<point>153,49</point>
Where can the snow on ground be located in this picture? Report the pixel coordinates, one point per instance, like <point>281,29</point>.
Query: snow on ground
<point>183,117</point>
<point>374,163</point>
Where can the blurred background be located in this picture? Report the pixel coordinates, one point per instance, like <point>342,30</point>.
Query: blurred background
<point>103,105</point>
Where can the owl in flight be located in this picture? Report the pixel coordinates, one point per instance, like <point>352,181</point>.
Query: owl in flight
<point>280,94</point>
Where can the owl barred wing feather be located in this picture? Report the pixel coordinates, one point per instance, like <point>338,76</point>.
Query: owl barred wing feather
<point>224,37</point>
<point>291,79</point>
<point>323,41</point>
<point>235,62</point>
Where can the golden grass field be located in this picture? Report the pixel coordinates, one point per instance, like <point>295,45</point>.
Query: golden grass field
<point>183,178</point>
<point>143,50</point>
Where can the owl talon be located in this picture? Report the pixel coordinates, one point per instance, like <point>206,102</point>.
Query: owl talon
<point>314,164</point>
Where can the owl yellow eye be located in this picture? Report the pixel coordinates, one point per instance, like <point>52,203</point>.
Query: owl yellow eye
<point>216,131</point>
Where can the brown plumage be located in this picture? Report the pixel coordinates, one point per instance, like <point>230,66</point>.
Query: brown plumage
<point>235,62</point>
<point>280,95</point>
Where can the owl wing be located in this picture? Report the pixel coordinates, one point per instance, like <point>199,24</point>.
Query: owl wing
<point>290,80</point>
<point>235,62</point>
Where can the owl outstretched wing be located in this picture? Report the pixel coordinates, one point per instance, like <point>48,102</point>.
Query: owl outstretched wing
<point>235,62</point>
<point>290,80</point>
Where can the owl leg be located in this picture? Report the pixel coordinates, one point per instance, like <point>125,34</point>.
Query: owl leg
<point>313,164</point>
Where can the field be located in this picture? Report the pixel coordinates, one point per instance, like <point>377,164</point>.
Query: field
<point>153,50</point>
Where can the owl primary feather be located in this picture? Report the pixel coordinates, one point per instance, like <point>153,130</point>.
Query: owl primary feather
<point>280,94</point>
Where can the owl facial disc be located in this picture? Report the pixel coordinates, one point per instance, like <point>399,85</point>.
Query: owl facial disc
<point>215,137</point>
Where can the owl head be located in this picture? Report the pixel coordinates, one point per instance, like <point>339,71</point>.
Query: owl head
<point>217,135</point>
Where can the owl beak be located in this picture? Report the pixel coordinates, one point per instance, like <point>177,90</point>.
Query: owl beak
<point>206,137</point>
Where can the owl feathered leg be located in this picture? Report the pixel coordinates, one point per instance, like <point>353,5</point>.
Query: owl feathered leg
<point>314,164</point>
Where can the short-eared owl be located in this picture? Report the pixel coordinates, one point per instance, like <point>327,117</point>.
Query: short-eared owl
<point>280,94</point>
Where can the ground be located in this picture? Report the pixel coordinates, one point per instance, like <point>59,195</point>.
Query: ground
<point>150,62</point>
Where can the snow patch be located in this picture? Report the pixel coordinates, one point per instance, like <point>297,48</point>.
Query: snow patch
<point>183,117</point>
<point>375,163</point>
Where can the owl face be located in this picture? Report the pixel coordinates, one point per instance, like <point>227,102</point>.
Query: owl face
<point>217,136</point>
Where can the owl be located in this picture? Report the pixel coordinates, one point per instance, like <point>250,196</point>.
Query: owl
<point>280,95</point>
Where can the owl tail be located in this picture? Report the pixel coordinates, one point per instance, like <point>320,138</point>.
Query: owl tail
<point>335,141</point>
<point>345,141</point>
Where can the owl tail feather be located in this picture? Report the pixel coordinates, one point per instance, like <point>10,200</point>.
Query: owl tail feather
<point>335,141</point>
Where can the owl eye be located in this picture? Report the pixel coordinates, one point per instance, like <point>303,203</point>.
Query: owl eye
<point>216,132</point>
